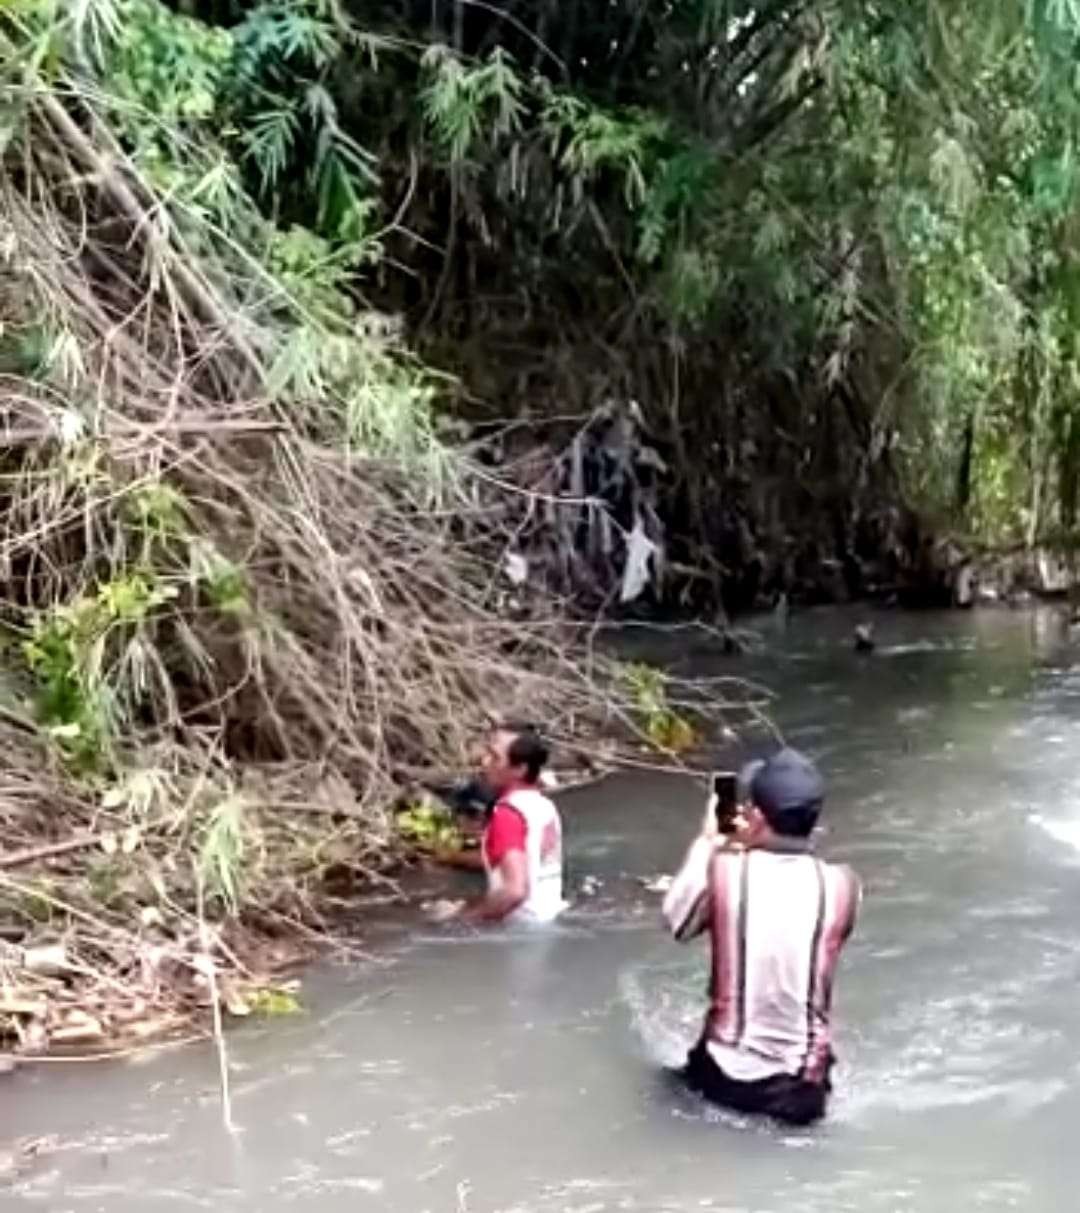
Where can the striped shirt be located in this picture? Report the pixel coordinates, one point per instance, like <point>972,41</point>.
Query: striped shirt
<point>777,918</point>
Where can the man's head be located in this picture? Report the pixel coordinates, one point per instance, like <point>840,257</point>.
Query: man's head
<point>514,753</point>
<point>783,795</point>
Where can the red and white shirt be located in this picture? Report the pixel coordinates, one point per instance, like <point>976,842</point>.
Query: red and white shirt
<point>777,919</point>
<point>525,820</point>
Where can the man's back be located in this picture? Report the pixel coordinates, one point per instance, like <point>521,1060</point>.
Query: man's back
<point>777,918</point>
<point>777,921</point>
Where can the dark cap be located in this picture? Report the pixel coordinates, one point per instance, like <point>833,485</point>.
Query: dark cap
<point>786,783</point>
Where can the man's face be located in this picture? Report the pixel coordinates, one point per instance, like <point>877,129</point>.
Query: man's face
<point>495,766</point>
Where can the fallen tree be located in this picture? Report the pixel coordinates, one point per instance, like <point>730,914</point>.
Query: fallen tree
<point>250,596</point>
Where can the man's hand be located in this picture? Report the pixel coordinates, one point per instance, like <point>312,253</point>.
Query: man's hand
<point>740,837</point>
<point>443,910</point>
<point>710,828</point>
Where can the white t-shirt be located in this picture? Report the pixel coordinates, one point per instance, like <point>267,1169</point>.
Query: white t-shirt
<point>777,919</point>
<point>525,819</point>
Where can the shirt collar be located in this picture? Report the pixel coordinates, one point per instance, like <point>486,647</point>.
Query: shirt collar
<point>516,785</point>
<point>785,844</point>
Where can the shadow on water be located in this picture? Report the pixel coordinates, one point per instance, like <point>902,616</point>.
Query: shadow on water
<point>525,1072</point>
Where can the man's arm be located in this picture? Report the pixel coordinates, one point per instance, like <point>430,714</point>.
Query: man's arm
<point>494,906</point>
<point>467,860</point>
<point>853,894</point>
<point>686,904</point>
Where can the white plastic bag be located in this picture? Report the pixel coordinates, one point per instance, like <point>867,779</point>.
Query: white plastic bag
<point>639,547</point>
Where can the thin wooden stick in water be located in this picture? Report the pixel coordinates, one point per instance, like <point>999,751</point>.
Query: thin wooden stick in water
<point>215,1002</point>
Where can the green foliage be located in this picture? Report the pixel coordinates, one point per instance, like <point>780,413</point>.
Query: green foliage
<point>665,728</point>
<point>678,184</point>
<point>224,851</point>
<point>315,273</point>
<point>165,70</point>
<point>159,513</point>
<point>26,353</point>
<point>429,825</point>
<point>274,1002</point>
<point>225,587</point>
<point>874,204</point>
<point>288,120</point>
<point>207,111</point>
<point>463,102</point>
<point>72,654</point>
<point>590,140</point>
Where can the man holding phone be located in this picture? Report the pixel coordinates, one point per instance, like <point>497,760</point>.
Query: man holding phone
<point>777,918</point>
<point>725,803</point>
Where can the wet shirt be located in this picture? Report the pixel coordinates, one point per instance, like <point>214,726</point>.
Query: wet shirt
<point>525,820</point>
<point>777,920</point>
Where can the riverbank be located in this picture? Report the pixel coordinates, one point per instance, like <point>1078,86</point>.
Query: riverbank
<point>111,940</point>
<point>153,920</point>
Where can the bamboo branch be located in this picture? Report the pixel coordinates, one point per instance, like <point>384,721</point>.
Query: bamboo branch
<point>80,842</point>
<point>209,970</point>
<point>26,435</point>
<point>199,294</point>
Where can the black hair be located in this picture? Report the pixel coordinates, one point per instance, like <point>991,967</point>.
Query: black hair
<point>528,749</point>
<point>797,822</point>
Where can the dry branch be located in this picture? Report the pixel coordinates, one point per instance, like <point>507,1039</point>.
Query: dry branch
<point>16,859</point>
<point>321,623</point>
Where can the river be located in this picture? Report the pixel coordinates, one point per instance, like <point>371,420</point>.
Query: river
<point>494,1074</point>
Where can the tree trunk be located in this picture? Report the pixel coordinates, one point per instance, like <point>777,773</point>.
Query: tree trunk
<point>963,472</point>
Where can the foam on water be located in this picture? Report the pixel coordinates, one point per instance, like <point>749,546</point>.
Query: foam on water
<point>665,1003</point>
<point>1065,832</point>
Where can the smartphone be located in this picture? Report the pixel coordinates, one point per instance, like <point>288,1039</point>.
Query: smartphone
<point>725,791</point>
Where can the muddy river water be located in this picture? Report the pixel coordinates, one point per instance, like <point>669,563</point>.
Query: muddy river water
<point>494,1074</point>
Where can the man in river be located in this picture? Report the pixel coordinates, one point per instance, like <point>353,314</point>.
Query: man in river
<point>521,848</point>
<point>777,918</point>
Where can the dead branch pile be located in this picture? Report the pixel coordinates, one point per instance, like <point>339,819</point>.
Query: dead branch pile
<point>236,623</point>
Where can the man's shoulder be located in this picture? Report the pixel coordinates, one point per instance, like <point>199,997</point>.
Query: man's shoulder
<point>505,831</point>
<point>529,801</point>
<point>844,871</point>
<point>846,888</point>
<point>726,860</point>
<point>851,878</point>
<point>505,810</point>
